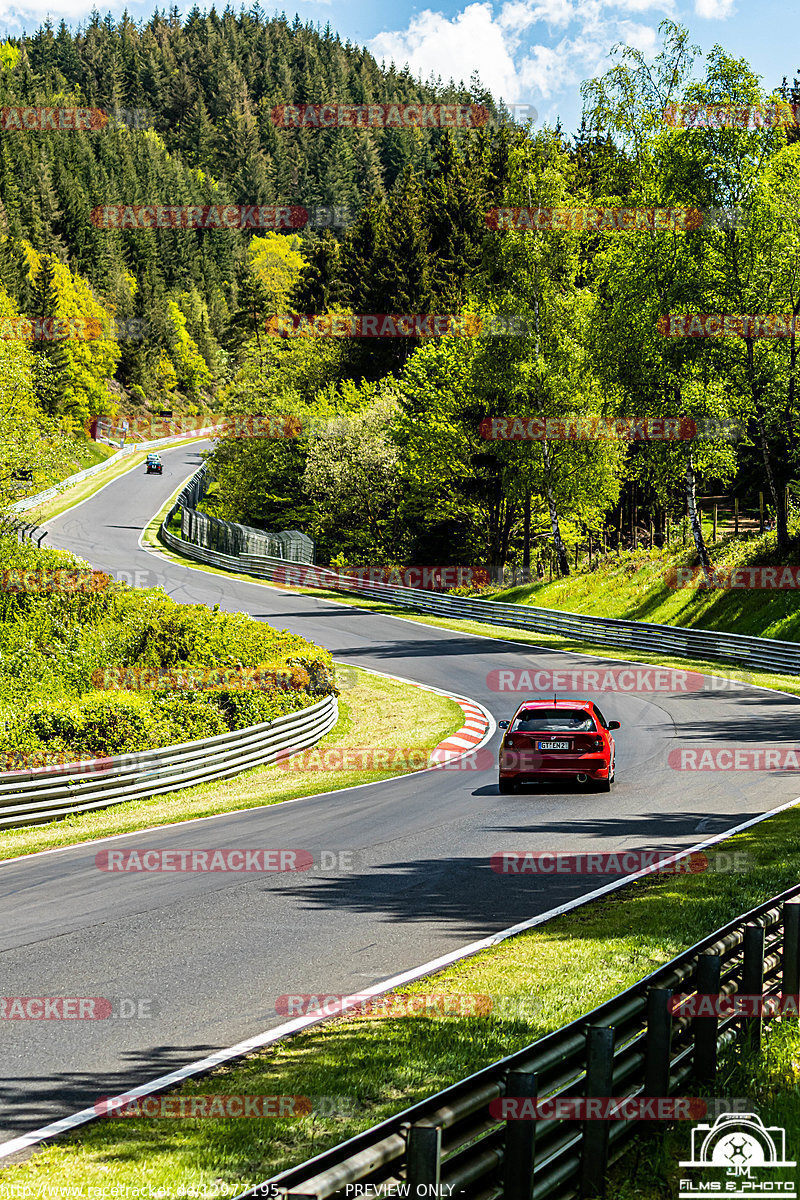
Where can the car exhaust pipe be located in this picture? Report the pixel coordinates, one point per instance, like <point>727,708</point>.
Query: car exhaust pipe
<point>582,778</point>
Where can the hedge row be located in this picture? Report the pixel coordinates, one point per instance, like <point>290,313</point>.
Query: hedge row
<point>101,669</point>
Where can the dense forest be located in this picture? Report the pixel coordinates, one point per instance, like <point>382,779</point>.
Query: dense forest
<point>393,466</point>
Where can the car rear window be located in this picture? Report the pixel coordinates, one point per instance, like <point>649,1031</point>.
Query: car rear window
<point>543,720</point>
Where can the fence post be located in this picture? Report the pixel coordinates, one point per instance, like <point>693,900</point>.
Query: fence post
<point>599,1081</point>
<point>790,974</point>
<point>753,980</point>
<point>761,511</point>
<point>736,515</point>
<point>576,556</point>
<point>714,536</point>
<point>423,1156</point>
<point>658,1047</point>
<point>705,1028</point>
<point>520,1145</point>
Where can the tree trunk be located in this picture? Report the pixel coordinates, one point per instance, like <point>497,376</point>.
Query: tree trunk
<point>561,552</point>
<point>694,518</point>
<point>777,498</point>
<point>526,538</point>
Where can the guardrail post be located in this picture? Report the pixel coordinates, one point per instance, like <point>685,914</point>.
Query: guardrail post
<point>520,1144</point>
<point>599,1080</point>
<point>423,1157</point>
<point>790,974</point>
<point>705,1029</point>
<point>41,538</point>
<point>753,980</point>
<point>658,1048</point>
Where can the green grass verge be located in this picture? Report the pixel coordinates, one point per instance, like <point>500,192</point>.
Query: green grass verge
<point>374,711</point>
<point>377,1066</point>
<point>634,586</point>
<point>81,491</point>
<point>709,666</point>
<point>650,1169</point>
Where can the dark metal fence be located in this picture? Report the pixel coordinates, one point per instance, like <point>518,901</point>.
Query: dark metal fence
<point>632,1046</point>
<point>230,538</point>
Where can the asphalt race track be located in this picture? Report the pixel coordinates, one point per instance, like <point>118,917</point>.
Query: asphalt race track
<point>213,951</point>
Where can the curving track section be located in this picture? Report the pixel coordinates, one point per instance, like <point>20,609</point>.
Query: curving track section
<point>214,951</point>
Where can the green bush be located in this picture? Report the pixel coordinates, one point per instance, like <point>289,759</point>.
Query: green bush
<point>55,648</point>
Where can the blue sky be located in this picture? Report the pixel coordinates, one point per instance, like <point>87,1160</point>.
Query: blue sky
<point>532,52</point>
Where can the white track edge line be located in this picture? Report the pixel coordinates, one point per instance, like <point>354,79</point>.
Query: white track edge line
<point>110,837</point>
<point>201,1066</point>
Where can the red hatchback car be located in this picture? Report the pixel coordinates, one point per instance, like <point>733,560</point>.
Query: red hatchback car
<point>557,739</point>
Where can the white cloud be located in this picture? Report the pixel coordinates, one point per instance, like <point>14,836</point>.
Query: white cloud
<point>32,13</point>
<point>507,47</point>
<point>453,48</point>
<point>710,9</point>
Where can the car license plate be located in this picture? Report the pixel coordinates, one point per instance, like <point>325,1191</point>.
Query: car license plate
<point>554,745</point>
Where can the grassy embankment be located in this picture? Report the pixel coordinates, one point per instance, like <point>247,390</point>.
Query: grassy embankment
<point>376,1066</point>
<point>548,976</point>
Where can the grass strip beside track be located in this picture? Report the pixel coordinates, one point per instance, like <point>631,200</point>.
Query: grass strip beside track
<point>376,711</point>
<point>379,1065</point>
<point>769,1081</point>
<point>78,492</point>
<point>772,680</point>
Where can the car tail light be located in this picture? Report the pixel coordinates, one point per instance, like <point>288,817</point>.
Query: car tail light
<point>596,743</point>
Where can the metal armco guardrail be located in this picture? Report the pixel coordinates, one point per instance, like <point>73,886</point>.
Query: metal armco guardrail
<point>30,797</point>
<point>30,502</point>
<point>762,654</point>
<point>632,1046</point>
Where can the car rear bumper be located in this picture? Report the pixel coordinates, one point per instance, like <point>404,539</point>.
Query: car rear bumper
<point>530,767</point>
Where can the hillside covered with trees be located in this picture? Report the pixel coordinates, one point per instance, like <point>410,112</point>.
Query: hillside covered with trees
<point>392,465</point>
